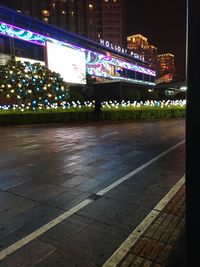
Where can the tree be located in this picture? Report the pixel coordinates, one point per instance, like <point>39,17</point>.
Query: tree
<point>32,84</point>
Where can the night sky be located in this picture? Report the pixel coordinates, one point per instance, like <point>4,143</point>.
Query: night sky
<point>163,23</point>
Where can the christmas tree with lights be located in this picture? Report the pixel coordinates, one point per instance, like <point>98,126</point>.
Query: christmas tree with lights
<point>32,84</point>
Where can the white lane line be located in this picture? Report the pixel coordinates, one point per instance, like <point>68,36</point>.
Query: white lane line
<point>125,247</point>
<point>15,246</point>
<point>124,178</point>
<point>12,248</point>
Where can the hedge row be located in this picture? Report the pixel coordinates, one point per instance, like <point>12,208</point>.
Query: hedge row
<point>39,117</point>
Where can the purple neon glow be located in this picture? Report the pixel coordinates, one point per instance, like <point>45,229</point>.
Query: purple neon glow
<point>18,32</point>
<point>102,60</point>
<point>32,37</point>
<point>103,63</point>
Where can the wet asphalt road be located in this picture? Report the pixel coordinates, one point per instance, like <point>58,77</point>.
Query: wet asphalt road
<point>46,170</point>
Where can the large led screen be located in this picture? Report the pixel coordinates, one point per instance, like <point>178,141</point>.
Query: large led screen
<point>70,63</point>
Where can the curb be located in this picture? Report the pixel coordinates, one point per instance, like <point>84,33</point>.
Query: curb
<point>159,241</point>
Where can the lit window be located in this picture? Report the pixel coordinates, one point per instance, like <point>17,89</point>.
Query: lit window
<point>90,6</point>
<point>114,1</point>
<point>54,5</point>
<point>46,19</point>
<point>106,0</point>
<point>63,12</point>
<point>99,35</point>
<point>45,13</point>
<point>72,13</point>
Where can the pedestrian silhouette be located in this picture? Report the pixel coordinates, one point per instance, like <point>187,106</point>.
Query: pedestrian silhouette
<point>97,109</point>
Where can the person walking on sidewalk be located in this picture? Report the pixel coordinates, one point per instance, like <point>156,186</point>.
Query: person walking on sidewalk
<point>97,109</point>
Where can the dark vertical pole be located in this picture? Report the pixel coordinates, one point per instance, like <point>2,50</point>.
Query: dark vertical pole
<point>192,134</point>
<point>119,97</point>
<point>10,45</point>
<point>12,49</point>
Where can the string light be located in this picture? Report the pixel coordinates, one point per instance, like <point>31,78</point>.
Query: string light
<point>106,105</point>
<point>32,81</point>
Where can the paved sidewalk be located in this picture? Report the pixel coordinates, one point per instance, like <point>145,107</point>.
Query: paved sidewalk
<point>51,170</point>
<point>158,245</point>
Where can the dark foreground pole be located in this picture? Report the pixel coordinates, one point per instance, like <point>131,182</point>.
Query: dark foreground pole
<point>193,135</point>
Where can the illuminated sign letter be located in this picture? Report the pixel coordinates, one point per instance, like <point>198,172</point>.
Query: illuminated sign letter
<point>107,44</point>
<point>136,55</point>
<point>101,41</point>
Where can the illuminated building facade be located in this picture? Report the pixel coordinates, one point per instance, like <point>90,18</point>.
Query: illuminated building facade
<point>139,44</point>
<point>94,19</point>
<point>22,37</point>
<point>78,59</point>
<point>151,55</point>
<point>162,63</point>
<point>166,65</point>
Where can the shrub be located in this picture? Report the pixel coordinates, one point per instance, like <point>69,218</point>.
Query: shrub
<point>87,114</point>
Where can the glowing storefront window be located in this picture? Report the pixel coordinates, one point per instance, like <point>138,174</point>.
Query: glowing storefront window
<point>32,61</point>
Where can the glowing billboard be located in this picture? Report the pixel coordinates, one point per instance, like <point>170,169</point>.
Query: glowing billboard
<point>70,63</point>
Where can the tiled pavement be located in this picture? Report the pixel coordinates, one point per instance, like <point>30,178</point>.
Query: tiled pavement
<point>157,243</point>
<point>46,170</point>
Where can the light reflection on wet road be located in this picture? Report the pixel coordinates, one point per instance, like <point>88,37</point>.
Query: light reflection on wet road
<point>46,170</point>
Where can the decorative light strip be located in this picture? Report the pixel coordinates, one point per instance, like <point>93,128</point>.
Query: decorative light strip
<point>16,32</point>
<point>104,62</point>
<point>92,58</point>
<point>88,105</point>
<point>32,37</point>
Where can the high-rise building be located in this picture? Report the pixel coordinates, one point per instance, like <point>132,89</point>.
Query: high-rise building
<point>162,63</point>
<point>139,44</point>
<point>151,55</point>
<point>94,19</point>
<point>165,65</point>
